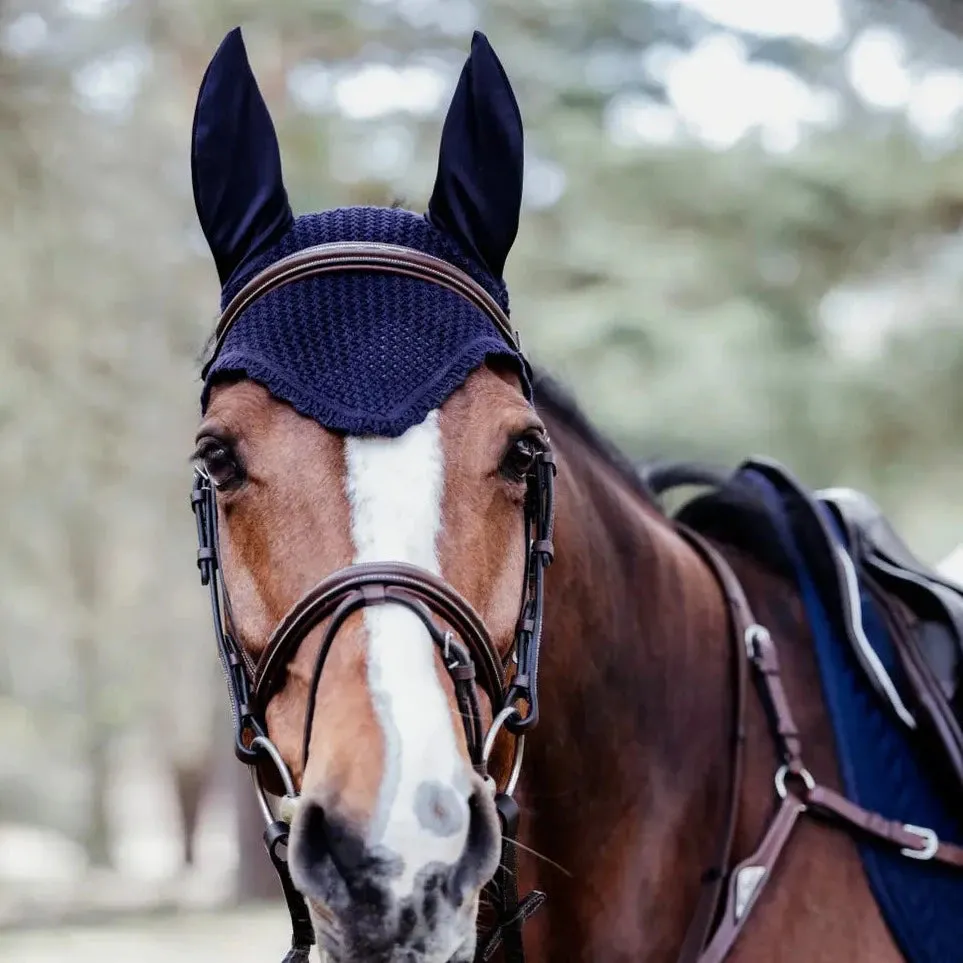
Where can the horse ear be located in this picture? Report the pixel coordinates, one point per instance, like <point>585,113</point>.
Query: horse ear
<point>478,191</point>
<point>235,162</point>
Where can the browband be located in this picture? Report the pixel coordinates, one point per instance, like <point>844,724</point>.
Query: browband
<point>360,256</point>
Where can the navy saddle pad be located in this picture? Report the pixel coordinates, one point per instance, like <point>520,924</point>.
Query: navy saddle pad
<point>884,764</point>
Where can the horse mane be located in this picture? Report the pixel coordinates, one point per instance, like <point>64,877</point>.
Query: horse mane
<point>560,404</point>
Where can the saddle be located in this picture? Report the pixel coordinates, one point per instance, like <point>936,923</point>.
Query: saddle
<point>926,618</point>
<point>854,552</point>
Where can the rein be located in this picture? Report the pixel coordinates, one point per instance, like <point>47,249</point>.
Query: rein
<point>468,652</point>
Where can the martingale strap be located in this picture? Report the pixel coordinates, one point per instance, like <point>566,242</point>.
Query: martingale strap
<point>742,623</point>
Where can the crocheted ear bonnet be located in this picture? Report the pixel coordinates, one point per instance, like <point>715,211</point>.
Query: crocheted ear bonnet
<point>358,351</point>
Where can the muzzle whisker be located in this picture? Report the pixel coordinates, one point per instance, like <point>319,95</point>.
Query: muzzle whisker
<point>538,855</point>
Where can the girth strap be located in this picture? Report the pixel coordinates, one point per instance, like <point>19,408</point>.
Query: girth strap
<point>914,842</point>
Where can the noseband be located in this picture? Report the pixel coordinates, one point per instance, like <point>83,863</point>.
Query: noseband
<point>468,653</point>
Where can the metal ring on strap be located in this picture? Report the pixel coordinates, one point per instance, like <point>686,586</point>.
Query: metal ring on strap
<point>519,750</point>
<point>784,772</point>
<point>360,256</point>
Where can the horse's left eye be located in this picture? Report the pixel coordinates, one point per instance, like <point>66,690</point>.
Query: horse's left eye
<point>520,458</point>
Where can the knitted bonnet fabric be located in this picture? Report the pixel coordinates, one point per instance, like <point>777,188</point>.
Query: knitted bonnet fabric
<point>360,352</point>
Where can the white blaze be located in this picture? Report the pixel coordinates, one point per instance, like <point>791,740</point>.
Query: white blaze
<point>395,488</point>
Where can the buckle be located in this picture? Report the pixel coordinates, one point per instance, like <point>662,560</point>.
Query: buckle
<point>931,842</point>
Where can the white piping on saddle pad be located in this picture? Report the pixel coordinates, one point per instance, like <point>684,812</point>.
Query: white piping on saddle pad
<point>869,653</point>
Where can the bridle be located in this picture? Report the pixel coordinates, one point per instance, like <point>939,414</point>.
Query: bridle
<point>468,653</point>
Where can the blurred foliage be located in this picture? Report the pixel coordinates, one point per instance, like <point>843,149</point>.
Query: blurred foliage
<point>796,297</point>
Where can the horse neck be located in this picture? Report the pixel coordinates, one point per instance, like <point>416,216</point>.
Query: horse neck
<point>626,773</point>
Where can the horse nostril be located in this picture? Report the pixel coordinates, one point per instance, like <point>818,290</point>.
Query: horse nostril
<point>323,837</point>
<point>480,857</point>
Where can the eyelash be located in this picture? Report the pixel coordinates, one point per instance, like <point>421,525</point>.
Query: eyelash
<point>207,449</point>
<point>526,446</point>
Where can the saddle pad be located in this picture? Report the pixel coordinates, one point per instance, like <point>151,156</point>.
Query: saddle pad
<point>881,770</point>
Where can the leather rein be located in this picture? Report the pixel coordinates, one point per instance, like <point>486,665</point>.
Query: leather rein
<point>727,894</point>
<point>469,654</point>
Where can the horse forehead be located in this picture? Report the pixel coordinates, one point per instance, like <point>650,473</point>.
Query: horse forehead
<point>395,488</point>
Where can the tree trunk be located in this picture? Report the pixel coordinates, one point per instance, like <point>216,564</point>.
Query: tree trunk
<point>97,834</point>
<point>84,540</point>
<point>190,784</point>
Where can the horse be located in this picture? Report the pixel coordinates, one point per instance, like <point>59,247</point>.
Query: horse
<point>468,652</point>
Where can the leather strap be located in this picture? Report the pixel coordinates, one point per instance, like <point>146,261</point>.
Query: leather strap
<point>394,581</point>
<point>360,256</point>
<point>914,842</point>
<point>302,930</point>
<point>765,659</point>
<point>420,591</point>
<point>750,877</point>
<point>511,912</point>
<point>741,620</point>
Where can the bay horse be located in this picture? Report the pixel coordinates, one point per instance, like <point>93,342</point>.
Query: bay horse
<point>371,571</point>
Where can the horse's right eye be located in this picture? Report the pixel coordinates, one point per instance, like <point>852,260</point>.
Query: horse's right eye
<point>220,462</point>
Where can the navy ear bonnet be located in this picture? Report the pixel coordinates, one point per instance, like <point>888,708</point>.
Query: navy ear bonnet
<point>360,352</point>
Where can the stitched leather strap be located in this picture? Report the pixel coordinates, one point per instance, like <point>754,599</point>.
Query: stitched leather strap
<point>762,652</point>
<point>741,620</point>
<point>914,842</point>
<point>511,912</point>
<point>390,579</point>
<point>752,874</point>
<point>750,877</point>
<point>360,256</point>
<point>302,930</point>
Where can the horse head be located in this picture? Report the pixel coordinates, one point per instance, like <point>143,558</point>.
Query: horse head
<point>370,450</point>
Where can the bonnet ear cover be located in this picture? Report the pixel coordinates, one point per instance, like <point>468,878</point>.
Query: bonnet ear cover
<point>478,192</point>
<point>235,162</point>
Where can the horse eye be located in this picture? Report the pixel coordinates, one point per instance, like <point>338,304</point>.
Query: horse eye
<point>520,458</point>
<point>220,463</point>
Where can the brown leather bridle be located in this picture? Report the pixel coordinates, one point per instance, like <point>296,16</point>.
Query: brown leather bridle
<point>471,658</point>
